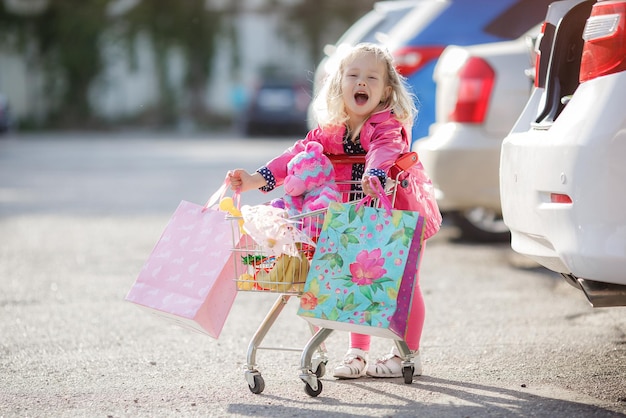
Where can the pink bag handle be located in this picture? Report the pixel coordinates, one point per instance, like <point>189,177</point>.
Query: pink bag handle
<point>382,197</point>
<point>220,193</point>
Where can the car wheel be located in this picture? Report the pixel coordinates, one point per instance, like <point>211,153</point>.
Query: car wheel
<point>481,225</point>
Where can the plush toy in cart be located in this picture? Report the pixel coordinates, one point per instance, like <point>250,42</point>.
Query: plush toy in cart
<point>310,185</point>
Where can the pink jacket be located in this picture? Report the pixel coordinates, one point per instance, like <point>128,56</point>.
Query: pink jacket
<point>384,139</point>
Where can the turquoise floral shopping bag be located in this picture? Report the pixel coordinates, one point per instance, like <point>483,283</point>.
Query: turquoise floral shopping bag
<point>363,270</point>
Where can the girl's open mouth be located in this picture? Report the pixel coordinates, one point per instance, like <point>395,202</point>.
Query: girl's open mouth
<point>361,98</point>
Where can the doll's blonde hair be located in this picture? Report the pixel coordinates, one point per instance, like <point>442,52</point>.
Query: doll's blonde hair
<point>329,107</point>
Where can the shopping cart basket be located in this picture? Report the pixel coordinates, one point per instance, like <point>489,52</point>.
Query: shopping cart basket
<point>285,275</point>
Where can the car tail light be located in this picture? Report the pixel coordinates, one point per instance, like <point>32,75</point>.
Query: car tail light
<point>560,198</point>
<point>476,78</point>
<point>605,41</point>
<point>408,60</point>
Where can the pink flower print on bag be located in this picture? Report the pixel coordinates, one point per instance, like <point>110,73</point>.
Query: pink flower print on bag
<point>368,267</point>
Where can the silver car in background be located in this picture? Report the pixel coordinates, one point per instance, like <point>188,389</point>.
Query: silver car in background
<point>481,90</point>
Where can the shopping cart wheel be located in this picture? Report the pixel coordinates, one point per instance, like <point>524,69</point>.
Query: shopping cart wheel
<point>309,390</point>
<point>407,373</point>
<point>259,384</point>
<point>321,370</point>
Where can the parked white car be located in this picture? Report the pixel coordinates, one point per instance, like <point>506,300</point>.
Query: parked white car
<point>481,90</point>
<point>562,170</point>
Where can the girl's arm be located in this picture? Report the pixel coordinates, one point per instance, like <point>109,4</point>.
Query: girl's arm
<point>242,181</point>
<point>276,169</point>
<point>385,148</point>
<point>387,143</point>
<point>273,174</point>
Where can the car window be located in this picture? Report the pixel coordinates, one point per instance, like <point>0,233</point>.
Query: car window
<point>380,20</point>
<point>518,18</point>
<point>361,27</point>
<point>416,20</point>
<point>384,26</point>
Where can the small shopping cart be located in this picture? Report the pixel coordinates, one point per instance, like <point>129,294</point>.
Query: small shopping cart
<point>285,275</point>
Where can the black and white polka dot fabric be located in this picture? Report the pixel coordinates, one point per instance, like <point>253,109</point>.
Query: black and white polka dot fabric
<point>269,179</point>
<point>355,147</point>
<point>378,173</point>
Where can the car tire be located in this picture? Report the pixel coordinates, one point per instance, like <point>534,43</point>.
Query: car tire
<point>481,225</point>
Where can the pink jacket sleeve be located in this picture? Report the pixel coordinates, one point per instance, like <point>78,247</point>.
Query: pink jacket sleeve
<point>385,144</point>
<point>328,139</point>
<point>387,141</point>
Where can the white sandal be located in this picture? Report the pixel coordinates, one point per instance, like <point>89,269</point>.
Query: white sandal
<point>354,365</point>
<point>391,365</point>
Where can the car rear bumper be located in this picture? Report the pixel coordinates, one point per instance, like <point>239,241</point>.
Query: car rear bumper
<point>462,160</point>
<point>580,156</point>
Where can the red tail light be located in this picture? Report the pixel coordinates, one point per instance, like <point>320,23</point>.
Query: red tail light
<point>605,41</point>
<point>410,59</point>
<point>476,79</point>
<point>560,198</point>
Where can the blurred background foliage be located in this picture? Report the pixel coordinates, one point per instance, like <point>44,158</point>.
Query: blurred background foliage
<point>64,41</point>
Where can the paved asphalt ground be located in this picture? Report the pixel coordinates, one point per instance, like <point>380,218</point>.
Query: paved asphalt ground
<point>79,214</point>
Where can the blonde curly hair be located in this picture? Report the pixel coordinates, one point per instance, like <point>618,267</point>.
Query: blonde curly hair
<point>328,105</point>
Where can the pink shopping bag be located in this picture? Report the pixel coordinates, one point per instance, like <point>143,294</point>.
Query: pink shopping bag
<point>189,276</point>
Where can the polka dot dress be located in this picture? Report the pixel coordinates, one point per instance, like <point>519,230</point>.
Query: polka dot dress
<point>354,148</point>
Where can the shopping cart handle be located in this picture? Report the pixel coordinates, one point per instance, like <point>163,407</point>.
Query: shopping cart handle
<point>346,158</point>
<point>403,163</point>
<point>407,161</point>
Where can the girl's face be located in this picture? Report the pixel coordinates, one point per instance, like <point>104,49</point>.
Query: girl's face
<point>363,87</point>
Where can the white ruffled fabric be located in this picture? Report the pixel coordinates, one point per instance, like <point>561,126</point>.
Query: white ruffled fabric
<point>272,230</point>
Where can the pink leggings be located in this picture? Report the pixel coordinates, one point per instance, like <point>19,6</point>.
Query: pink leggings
<point>415,319</point>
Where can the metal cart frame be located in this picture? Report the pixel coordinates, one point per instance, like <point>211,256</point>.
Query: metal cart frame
<point>313,358</point>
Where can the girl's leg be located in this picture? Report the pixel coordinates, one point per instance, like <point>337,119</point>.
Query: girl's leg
<point>415,319</point>
<point>355,361</point>
<point>360,341</point>
<point>417,313</point>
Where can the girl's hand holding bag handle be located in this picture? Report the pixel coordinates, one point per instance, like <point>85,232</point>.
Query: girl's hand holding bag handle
<point>362,273</point>
<point>188,277</point>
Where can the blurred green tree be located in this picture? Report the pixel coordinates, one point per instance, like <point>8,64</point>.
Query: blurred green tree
<point>65,41</point>
<point>313,21</point>
<point>193,29</point>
